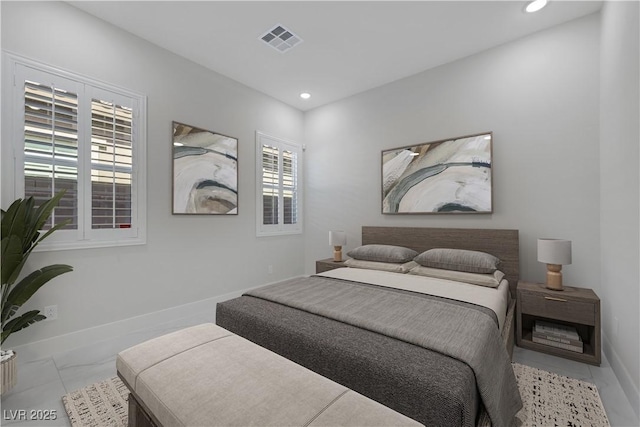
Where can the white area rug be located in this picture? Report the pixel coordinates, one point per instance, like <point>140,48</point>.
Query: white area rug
<point>100,404</point>
<point>549,400</point>
<point>555,400</point>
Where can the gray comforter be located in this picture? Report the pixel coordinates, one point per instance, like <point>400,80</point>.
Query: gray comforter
<point>458,331</point>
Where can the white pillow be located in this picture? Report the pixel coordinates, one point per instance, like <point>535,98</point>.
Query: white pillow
<point>393,267</point>
<point>491,280</point>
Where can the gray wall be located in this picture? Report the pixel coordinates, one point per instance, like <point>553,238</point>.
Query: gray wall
<point>620,191</point>
<point>538,95</point>
<point>187,258</point>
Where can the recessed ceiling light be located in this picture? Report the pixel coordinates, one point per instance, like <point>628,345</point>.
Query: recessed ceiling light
<point>305,95</point>
<point>535,5</point>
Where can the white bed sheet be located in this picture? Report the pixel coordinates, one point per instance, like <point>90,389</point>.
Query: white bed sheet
<point>495,299</point>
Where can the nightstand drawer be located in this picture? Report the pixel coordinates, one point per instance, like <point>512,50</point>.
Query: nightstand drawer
<point>559,308</point>
<point>328,264</point>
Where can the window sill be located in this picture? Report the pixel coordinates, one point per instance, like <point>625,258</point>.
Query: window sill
<point>88,244</point>
<point>277,233</point>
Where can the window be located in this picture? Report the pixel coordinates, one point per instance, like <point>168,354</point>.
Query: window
<point>278,191</point>
<point>88,139</point>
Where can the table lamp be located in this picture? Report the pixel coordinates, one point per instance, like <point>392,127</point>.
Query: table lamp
<point>337,239</point>
<point>555,253</point>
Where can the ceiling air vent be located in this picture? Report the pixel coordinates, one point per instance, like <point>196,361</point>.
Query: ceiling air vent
<point>280,38</point>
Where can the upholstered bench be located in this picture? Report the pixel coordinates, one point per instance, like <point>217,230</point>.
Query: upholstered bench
<point>208,376</point>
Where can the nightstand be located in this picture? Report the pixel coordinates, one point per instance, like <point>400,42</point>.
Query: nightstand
<point>576,307</point>
<point>328,264</point>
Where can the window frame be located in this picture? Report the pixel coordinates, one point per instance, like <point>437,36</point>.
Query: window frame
<point>264,230</point>
<point>84,236</point>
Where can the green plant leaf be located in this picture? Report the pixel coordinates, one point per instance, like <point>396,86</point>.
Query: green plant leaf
<point>40,217</point>
<point>29,215</point>
<point>25,289</point>
<point>11,310</point>
<point>12,258</point>
<point>13,227</point>
<point>21,322</point>
<point>17,270</point>
<point>9,217</point>
<point>45,235</point>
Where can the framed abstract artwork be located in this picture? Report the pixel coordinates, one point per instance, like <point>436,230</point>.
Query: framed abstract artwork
<point>205,172</point>
<point>447,176</point>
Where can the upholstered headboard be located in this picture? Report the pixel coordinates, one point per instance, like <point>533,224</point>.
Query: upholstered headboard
<point>503,244</point>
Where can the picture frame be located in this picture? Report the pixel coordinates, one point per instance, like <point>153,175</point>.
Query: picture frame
<point>205,172</point>
<point>450,176</point>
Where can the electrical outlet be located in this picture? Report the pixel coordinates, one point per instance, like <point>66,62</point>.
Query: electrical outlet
<point>51,312</point>
<point>270,269</point>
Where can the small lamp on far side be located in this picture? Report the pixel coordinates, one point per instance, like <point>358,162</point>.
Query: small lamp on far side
<point>337,239</point>
<point>555,253</point>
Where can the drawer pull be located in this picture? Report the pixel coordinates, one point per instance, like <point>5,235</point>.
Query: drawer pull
<point>555,299</point>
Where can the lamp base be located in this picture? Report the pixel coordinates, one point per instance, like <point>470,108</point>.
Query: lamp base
<point>554,277</point>
<point>337,253</point>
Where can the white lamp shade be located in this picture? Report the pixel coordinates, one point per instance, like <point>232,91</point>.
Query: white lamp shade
<point>554,251</point>
<point>337,238</point>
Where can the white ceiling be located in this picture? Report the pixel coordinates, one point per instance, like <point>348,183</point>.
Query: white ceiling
<point>348,47</point>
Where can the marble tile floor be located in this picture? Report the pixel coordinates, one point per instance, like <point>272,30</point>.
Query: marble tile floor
<point>42,383</point>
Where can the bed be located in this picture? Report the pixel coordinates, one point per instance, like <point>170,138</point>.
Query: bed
<point>465,384</point>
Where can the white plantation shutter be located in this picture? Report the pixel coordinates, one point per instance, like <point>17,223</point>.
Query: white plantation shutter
<point>111,165</point>
<point>51,147</point>
<point>289,186</point>
<point>277,186</point>
<point>87,138</point>
<point>270,184</point>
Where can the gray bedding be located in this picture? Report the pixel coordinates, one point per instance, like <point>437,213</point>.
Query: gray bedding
<point>387,344</point>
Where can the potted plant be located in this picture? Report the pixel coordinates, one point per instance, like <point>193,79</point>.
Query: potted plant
<point>21,233</point>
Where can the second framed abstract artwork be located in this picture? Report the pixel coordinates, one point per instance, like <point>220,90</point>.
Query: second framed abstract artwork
<point>205,172</point>
<point>447,176</point>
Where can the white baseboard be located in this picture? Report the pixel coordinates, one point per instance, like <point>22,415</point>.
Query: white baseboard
<point>63,343</point>
<point>624,378</point>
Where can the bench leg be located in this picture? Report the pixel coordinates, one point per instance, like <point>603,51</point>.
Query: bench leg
<point>138,417</point>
